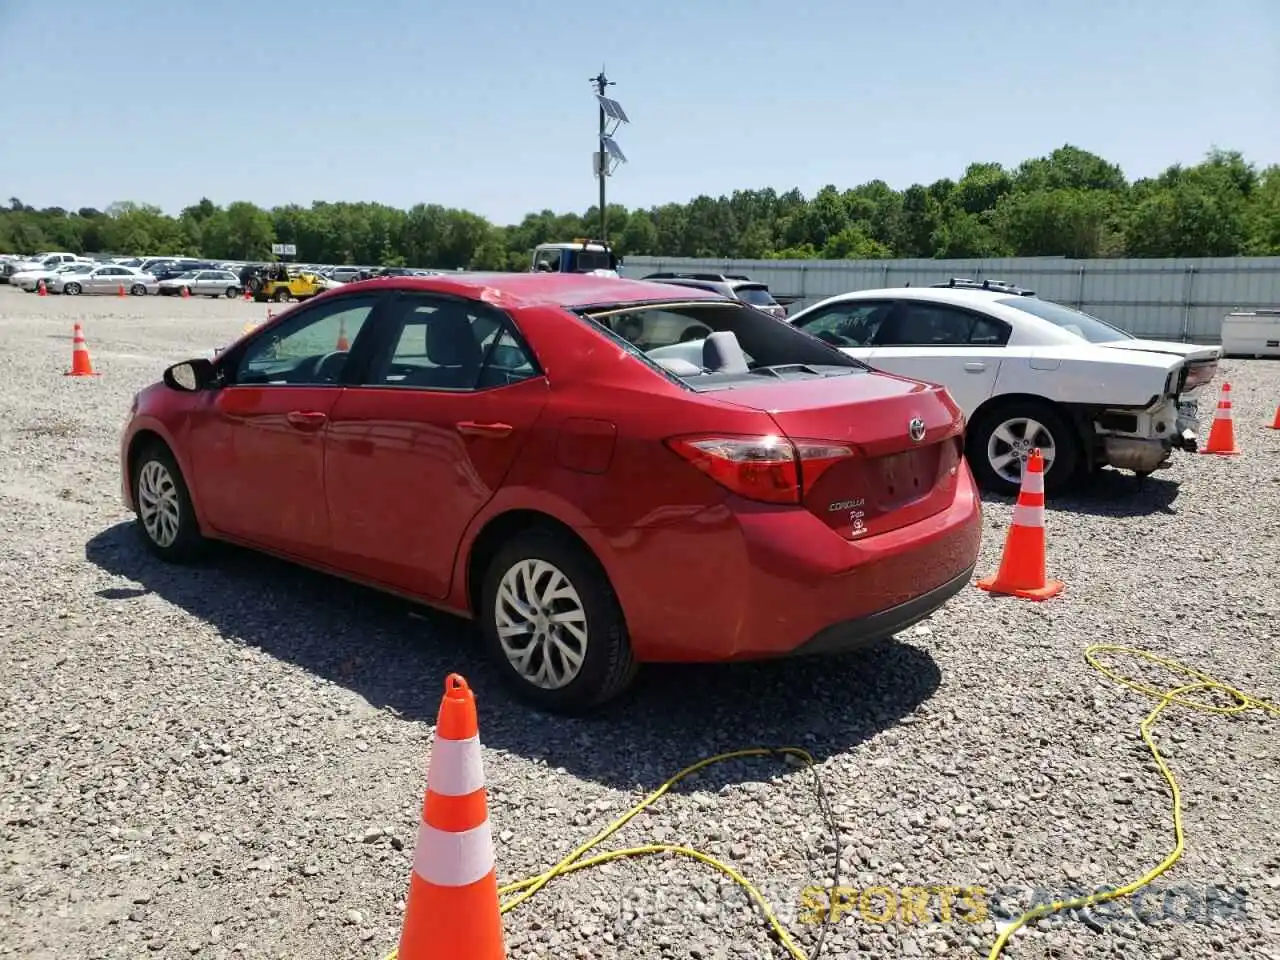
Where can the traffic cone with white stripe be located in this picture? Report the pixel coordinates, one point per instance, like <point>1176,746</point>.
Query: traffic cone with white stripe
<point>1222,435</point>
<point>81,365</point>
<point>1022,568</point>
<point>1275,424</point>
<point>452,909</point>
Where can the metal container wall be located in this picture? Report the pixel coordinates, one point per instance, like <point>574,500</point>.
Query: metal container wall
<point>1166,299</point>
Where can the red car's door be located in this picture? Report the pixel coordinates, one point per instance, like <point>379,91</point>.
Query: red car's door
<point>414,452</point>
<point>258,444</point>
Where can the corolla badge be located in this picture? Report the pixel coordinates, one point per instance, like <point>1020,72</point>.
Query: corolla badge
<point>846,505</point>
<point>916,429</point>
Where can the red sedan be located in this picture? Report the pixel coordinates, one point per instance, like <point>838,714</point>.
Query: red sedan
<point>517,449</point>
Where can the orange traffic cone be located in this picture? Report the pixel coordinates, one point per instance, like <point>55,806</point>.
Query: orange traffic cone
<point>343,346</point>
<point>81,365</point>
<point>1222,435</point>
<point>1275,424</point>
<point>1022,568</point>
<point>248,295</point>
<point>452,908</point>
<point>41,289</point>
<point>120,291</point>
<point>185,293</point>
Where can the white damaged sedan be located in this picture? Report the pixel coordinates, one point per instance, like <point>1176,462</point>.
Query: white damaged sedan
<point>1027,373</point>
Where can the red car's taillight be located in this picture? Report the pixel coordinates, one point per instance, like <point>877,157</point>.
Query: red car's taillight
<point>770,469</point>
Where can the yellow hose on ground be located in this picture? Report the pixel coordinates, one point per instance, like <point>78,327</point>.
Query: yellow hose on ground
<point>1203,683</point>
<point>524,889</point>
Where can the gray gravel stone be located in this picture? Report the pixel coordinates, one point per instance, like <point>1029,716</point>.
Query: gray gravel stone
<point>228,761</point>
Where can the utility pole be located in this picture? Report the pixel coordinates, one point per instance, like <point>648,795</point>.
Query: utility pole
<point>608,153</point>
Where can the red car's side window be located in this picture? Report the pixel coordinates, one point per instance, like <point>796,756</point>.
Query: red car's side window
<point>310,349</point>
<point>441,344</point>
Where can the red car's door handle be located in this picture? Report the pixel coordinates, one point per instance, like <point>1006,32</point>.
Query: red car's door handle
<point>306,419</point>
<point>469,428</point>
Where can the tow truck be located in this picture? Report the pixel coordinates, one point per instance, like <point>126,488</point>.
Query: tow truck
<point>581,255</point>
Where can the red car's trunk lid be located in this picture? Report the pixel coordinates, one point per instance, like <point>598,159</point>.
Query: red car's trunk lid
<point>905,438</point>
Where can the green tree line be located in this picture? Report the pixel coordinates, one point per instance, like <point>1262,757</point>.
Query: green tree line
<point>1070,203</point>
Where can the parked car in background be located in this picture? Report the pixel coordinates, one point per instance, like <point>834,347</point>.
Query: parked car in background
<point>201,283</point>
<point>734,286</point>
<point>30,280</point>
<point>1028,372</point>
<point>45,261</point>
<point>176,268</point>
<point>8,264</point>
<point>509,447</point>
<point>102,280</point>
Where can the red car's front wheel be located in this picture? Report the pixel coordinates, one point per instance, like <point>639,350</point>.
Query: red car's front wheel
<point>166,518</point>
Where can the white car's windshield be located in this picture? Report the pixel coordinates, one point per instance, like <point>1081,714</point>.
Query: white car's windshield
<point>1081,324</point>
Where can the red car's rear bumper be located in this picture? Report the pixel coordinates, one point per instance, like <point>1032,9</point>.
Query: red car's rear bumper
<point>749,581</point>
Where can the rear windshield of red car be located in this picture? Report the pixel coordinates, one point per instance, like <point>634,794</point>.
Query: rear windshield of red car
<point>671,337</point>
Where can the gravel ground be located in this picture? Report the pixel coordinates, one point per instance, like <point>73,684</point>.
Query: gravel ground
<point>228,762</point>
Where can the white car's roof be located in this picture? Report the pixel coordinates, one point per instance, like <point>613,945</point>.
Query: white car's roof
<point>1030,329</point>
<point>980,299</point>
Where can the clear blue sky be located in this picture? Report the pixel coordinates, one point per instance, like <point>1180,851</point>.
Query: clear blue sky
<point>484,104</point>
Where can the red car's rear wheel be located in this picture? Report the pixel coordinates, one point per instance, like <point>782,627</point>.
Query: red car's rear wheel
<point>552,623</point>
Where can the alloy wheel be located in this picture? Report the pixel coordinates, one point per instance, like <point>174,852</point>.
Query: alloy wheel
<point>158,505</point>
<point>1010,445</point>
<point>541,624</point>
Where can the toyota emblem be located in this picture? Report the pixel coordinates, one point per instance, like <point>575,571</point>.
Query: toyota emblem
<point>916,429</point>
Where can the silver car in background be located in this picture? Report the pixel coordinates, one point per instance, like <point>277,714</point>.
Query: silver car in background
<point>107,279</point>
<point>30,280</point>
<point>203,283</point>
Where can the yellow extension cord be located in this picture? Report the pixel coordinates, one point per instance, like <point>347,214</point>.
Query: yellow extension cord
<point>524,889</point>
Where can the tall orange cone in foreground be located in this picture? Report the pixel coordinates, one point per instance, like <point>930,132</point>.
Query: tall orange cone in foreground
<point>1222,435</point>
<point>452,909</point>
<point>1022,568</point>
<point>81,365</point>
<point>1275,424</point>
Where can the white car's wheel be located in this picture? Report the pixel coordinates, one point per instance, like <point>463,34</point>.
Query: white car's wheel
<point>552,623</point>
<point>1002,438</point>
